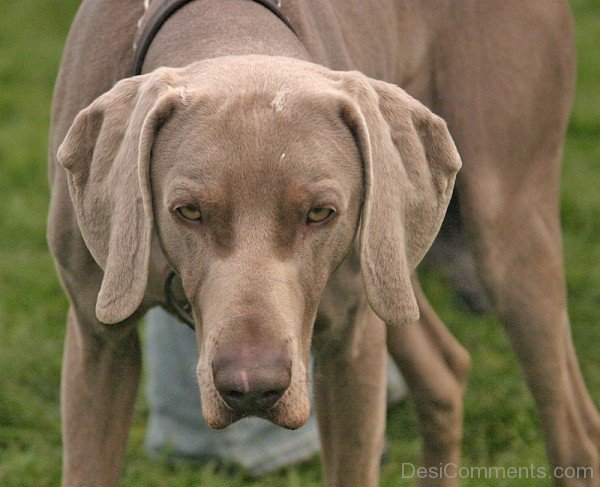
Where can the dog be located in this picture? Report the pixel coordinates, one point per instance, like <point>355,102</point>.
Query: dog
<point>272,164</point>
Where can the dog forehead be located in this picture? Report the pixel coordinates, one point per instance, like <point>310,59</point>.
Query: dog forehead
<point>241,93</point>
<point>257,145</point>
<point>257,123</point>
<point>256,119</point>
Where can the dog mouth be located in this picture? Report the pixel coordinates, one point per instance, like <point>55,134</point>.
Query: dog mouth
<point>253,404</point>
<point>290,410</point>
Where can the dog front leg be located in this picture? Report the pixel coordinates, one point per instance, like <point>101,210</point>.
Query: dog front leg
<point>99,386</point>
<point>435,367</point>
<point>350,379</point>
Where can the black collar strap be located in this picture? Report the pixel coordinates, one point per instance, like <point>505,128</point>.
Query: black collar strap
<point>168,8</point>
<point>178,305</point>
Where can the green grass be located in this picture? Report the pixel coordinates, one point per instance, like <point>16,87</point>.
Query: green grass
<point>501,427</point>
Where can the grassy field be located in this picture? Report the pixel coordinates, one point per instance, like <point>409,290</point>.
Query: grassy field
<point>501,428</point>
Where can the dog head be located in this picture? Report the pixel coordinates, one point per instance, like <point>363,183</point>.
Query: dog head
<point>256,173</point>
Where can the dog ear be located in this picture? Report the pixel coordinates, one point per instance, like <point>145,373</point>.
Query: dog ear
<point>410,164</point>
<point>106,154</point>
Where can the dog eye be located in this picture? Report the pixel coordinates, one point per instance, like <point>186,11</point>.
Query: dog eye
<point>319,214</point>
<point>190,212</point>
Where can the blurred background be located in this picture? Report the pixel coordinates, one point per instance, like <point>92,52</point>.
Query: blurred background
<point>501,427</point>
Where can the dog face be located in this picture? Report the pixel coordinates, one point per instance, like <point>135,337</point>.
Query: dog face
<point>254,173</point>
<point>256,200</point>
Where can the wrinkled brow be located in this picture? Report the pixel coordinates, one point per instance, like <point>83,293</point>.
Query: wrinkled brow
<point>322,192</point>
<point>198,190</point>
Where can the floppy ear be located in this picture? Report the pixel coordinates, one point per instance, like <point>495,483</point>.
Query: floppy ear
<point>410,164</point>
<point>106,154</point>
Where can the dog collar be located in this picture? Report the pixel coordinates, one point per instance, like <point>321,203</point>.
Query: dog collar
<point>180,306</point>
<point>167,9</point>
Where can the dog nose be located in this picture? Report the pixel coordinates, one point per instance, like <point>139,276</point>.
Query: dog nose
<point>251,388</point>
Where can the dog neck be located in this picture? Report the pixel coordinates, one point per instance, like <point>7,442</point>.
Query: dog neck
<point>214,28</point>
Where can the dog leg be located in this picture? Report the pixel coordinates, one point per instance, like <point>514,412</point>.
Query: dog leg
<point>508,121</point>
<point>435,366</point>
<point>522,266</point>
<point>350,378</point>
<point>99,386</point>
<point>584,401</point>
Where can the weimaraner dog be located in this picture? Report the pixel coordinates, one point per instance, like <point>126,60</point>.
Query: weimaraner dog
<point>291,193</point>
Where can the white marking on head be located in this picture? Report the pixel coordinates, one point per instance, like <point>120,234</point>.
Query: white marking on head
<point>184,96</point>
<point>282,157</point>
<point>278,103</point>
<point>181,92</point>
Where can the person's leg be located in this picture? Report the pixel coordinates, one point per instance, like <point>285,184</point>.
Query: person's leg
<point>175,422</point>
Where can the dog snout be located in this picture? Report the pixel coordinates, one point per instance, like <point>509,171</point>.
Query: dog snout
<point>251,384</point>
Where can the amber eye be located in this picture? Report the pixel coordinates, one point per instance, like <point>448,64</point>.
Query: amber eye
<point>190,212</point>
<point>319,214</point>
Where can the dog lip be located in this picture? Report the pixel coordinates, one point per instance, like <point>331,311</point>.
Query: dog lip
<point>223,415</point>
<point>252,406</point>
